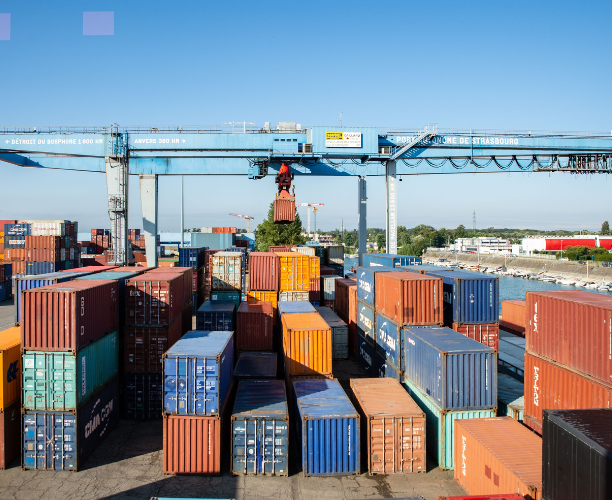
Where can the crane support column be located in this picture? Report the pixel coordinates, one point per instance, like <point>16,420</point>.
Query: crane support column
<point>148,200</point>
<point>117,188</point>
<point>391,208</point>
<point>362,218</point>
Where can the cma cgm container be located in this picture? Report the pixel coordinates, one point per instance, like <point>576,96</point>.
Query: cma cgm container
<point>441,425</point>
<point>307,344</point>
<point>63,381</point>
<point>218,315</point>
<point>389,260</point>
<point>366,321</point>
<point>340,341</point>
<point>198,372</point>
<point>469,298</point>
<point>154,299</point>
<point>383,368</point>
<point>577,454</point>
<point>294,272</point>
<point>410,298</point>
<point>10,367</point>
<point>487,460</point>
<point>144,346</point>
<point>10,433</point>
<point>255,365</point>
<point>389,340</point>
<point>572,328</point>
<point>366,283</point>
<point>366,355</point>
<point>254,327</point>
<point>328,428</point>
<point>486,334</point>
<point>393,426</point>
<point>513,316</point>
<point>74,314</point>
<point>455,371</point>
<point>227,271</point>
<point>62,441</point>
<point>142,396</point>
<point>260,429</point>
<point>263,271</point>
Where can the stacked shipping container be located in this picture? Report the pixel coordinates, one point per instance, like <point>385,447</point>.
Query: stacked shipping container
<point>6,281</point>
<point>10,396</point>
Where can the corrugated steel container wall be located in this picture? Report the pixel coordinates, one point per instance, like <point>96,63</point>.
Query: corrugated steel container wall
<point>219,316</point>
<point>314,294</point>
<point>328,287</point>
<point>513,315</point>
<point>264,271</point>
<point>314,264</point>
<point>256,365</point>
<point>486,334</point>
<point>352,319</point>
<point>144,346</point>
<point>63,381</point>
<point>410,298</point>
<point>10,367</point>
<point>573,328</point>
<point>550,386</point>
<point>294,272</point>
<point>73,315</point>
<point>154,299</point>
<point>254,327</point>
<point>307,344</point>
<point>510,402</point>
<point>220,240</point>
<point>393,427</point>
<point>235,297</point>
<point>469,298</point>
<point>74,437</point>
<point>284,210</point>
<point>198,372</point>
<point>142,396</point>
<point>328,428</point>
<point>342,297</point>
<point>366,355</point>
<point>440,426</point>
<point>185,272</point>
<point>366,283</point>
<point>293,297</point>
<point>260,429</point>
<point>10,434</point>
<point>577,454</point>
<point>227,271</point>
<point>389,260</point>
<point>455,371</point>
<point>192,257</point>
<point>295,307</point>
<point>334,254</point>
<point>366,321</point>
<point>262,296</point>
<point>484,445</point>
<point>310,251</point>
<point>389,340</point>
<point>327,271</point>
<point>383,368</point>
<point>340,340</point>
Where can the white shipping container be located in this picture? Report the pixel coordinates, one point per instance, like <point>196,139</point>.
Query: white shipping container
<point>227,271</point>
<point>293,296</point>
<point>335,254</point>
<point>329,287</point>
<point>340,348</point>
<point>304,250</point>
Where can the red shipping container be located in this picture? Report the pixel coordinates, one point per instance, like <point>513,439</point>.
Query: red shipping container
<point>342,297</point>
<point>315,289</point>
<point>185,272</point>
<point>18,267</point>
<point>45,254</point>
<point>550,386</point>
<point>145,345</point>
<point>284,210</point>
<point>327,271</point>
<point>410,298</point>
<point>154,298</point>
<point>131,269</point>
<point>10,433</point>
<point>486,334</point>
<point>44,242</point>
<point>254,325</point>
<point>264,271</point>
<point>14,255</point>
<point>68,316</point>
<point>329,303</point>
<point>573,328</point>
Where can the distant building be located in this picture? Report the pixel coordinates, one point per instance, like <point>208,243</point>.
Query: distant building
<point>326,238</point>
<point>482,245</point>
<point>560,243</point>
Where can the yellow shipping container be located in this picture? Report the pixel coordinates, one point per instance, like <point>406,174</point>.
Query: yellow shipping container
<point>271,297</point>
<point>307,344</point>
<point>10,366</point>
<point>315,267</point>
<point>294,272</point>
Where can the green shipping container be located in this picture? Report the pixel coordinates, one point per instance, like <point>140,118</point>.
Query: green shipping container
<point>440,426</point>
<point>227,295</point>
<point>63,381</point>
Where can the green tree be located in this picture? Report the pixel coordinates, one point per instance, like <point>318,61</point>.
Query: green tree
<point>269,234</point>
<point>422,230</point>
<point>348,239</point>
<point>419,243</point>
<point>605,228</point>
<point>460,232</point>
<point>381,241</point>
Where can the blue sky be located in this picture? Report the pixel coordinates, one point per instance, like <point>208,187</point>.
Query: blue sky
<point>497,65</point>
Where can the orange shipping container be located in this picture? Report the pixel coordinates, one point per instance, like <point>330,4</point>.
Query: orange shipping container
<point>487,334</point>
<point>315,267</point>
<point>497,456</point>
<point>284,210</point>
<point>259,296</point>
<point>307,344</point>
<point>342,297</point>
<point>410,298</point>
<point>10,367</point>
<point>393,426</point>
<point>294,272</point>
<point>513,315</point>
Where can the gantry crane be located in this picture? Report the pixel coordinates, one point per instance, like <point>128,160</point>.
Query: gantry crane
<point>248,219</point>
<point>314,205</point>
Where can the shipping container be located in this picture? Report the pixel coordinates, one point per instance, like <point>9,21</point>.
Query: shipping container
<point>5,291</point>
<point>263,271</point>
<point>217,241</point>
<point>328,287</point>
<point>63,440</point>
<point>366,321</point>
<point>260,429</point>
<point>6,272</point>
<point>389,340</point>
<point>154,298</point>
<point>513,316</point>
<point>572,328</point>
<point>455,371</point>
<point>366,283</point>
<point>440,425</point>
<point>284,210</point>
<point>383,368</point>
<point>389,260</point>
<point>10,367</point>
<point>264,296</point>
<point>468,297</point>
<point>307,344</point>
<point>393,427</point>
<point>314,294</point>
<point>509,454</point>
<point>510,401</point>
<point>144,346</point>
<point>410,298</point>
<point>342,297</point>
<point>185,272</point>
<point>295,307</point>
<point>326,270</point>
<point>74,314</point>
<point>339,329</point>
<point>551,386</point>
<point>10,434</point>
<point>142,396</point>
<point>334,254</point>
<point>424,268</point>
<point>306,250</point>
<point>254,327</point>
<point>227,296</point>
<point>314,264</point>
<point>198,372</point>
<point>294,272</point>
<point>293,296</point>
<point>328,429</point>
<point>218,315</point>
<point>226,271</point>
<point>366,355</point>
<point>192,257</point>
<point>256,365</point>
<point>484,497</point>
<point>577,454</point>
<point>511,357</point>
<point>486,334</point>
<point>64,381</point>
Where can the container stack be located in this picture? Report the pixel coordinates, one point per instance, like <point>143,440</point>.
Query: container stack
<point>194,258</point>
<point>197,402</point>
<point>10,396</point>
<point>217,316</point>
<point>226,273</point>
<point>100,240</point>
<point>294,275</point>
<point>2,223</point>
<point>208,272</point>
<point>264,279</point>
<point>6,281</point>
<point>70,360</point>
<point>346,307</point>
<point>567,357</point>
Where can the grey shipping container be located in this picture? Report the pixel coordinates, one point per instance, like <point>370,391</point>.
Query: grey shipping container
<point>340,348</point>
<point>329,287</point>
<point>254,365</point>
<point>295,307</point>
<point>216,315</point>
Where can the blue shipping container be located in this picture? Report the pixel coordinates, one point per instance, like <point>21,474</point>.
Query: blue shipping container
<point>255,364</point>
<point>213,240</point>
<point>216,316</point>
<point>45,267</point>
<point>226,296</point>
<point>510,397</point>
<point>14,242</point>
<point>468,297</point>
<point>260,429</point>
<point>328,428</point>
<point>8,270</point>
<point>389,260</point>
<point>366,280</point>
<point>17,230</point>
<point>5,291</point>
<point>389,340</point>
<point>192,257</point>
<point>455,371</point>
<point>63,440</point>
<point>365,355</point>
<point>424,268</point>
<point>384,368</point>
<point>142,396</point>
<point>198,373</point>
<point>366,321</point>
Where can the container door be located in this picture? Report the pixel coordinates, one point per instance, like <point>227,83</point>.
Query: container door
<point>239,453</point>
<point>382,445</point>
<point>49,441</point>
<point>63,390</point>
<point>274,447</point>
<point>410,444</point>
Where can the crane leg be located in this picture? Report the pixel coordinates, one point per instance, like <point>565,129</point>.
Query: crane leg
<point>391,208</point>
<point>117,189</point>
<point>362,221</point>
<point>148,200</point>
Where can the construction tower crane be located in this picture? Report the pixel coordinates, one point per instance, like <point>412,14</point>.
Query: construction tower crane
<point>248,219</point>
<point>310,205</point>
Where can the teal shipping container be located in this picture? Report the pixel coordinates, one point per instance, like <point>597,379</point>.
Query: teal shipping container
<point>227,296</point>
<point>510,398</point>
<point>440,425</point>
<point>64,381</point>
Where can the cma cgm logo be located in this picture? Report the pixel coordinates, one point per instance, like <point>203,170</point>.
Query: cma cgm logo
<point>99,418</point>
<point>11,373</point>
<point>365,355</point>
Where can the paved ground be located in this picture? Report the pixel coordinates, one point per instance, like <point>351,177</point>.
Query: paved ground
<point>128,465</point>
